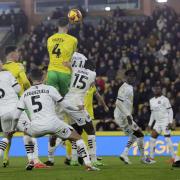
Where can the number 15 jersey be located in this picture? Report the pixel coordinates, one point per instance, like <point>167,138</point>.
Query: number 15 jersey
<point>61,48</point>
<point>81,80</point>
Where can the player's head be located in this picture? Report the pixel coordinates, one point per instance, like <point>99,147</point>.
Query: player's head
<point>157,89</point>
<point>90,65</point>
<point>36,75</point>
<point>130,76</point>
<point>63,24</point>
<point>12,54</point>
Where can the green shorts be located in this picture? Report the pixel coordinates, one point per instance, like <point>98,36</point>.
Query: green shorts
<point>61,81</point>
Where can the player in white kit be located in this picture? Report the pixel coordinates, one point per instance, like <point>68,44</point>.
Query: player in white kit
<point>82,79</point>
<point>40,101</point>
<point>123,117</point>
<point>9,89</point>
<point>161,120</point>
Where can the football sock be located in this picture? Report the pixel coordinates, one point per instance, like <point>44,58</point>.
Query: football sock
<point>170,146</point>
<point>82,151</point>
<point>178,153</point>
<point>51,149</point>
<point>74,151</point>
<point>140,144</point>
<point>3,145</point>
<point>36,151</point>
<point>92,147</point>
<point>152,145</point>
<point>130,142</point>
<point>29,146</point>
<point>6,152</point>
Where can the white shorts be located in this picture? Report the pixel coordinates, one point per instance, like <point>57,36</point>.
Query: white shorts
<point>162,129</point>
<point>126,128</point>
<point>7,121</point>
<point>55,127</point>
<point>78,117</point>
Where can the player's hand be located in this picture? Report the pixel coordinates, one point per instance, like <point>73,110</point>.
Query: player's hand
<point>148,129</point>
<point>106,108</point>
<point>67,64</point>
<point>170,126</point>
<point>130,119</point>
<point>10,133</point>
<point>81,107</point>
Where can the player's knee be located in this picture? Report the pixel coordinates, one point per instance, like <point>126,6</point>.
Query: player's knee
<point>138,134</point>
<point>89,128</point>
<point>52,140</point>
<point>78,129</point>
<point>27,139</point>
<point>154,134</point>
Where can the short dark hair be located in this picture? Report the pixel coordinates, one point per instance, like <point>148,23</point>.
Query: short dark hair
<point>36,74</point>
<point>63,21</point>
<point>157,84</point>
<point>89,64</point>
<point>130,72</point>
<point>9,49</point>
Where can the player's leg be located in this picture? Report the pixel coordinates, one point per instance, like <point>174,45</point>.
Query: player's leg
<point>53,143</point>
<point>74,155</point>
<point>67,132</point>
<point>29,146</point>
<point>170,145</point>
<point>177,159</point>
<point>6,154</point>
<point>64,83</point>
<point>6,124</point>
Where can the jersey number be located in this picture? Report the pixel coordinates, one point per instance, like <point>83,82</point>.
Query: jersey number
<point>56,51</point>
<point>2,93</point>
<point>79,81</point>
<point>37,103</point>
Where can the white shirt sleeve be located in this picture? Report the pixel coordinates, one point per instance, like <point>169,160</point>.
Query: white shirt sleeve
<point>21,105</point>
<point>14,83</point>
<point>169,109</point>
<point>152,115</point>
<point>55,94</point>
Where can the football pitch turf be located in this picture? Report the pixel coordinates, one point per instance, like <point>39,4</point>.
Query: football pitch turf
<point>114,169</point>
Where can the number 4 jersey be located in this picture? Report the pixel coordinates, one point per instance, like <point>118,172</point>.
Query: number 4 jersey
<point>81,80</point>
<point>61,48</point>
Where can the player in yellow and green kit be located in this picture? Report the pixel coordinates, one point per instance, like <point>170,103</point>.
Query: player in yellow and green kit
<point>17,70</point>
<point>61,47</point>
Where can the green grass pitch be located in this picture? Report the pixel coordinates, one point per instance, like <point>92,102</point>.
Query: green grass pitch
<point>114,169</point>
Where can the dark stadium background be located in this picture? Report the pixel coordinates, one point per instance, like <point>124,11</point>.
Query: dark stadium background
<point>116,34</point>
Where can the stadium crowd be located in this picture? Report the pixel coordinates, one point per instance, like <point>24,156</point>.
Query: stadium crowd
<point>16,20</point>
<point>151,47</point>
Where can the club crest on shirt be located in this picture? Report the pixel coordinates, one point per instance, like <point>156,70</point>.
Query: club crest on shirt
<point>159,102</point>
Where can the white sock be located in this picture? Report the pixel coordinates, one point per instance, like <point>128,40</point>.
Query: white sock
<point>82,151</point>
<point>3,144</point>
<point>170,146</point>
<point>140,144</point>
<point>74,151</point>
<point>152,145</point>
<point>51,149</point>
<point>130,142</point>
<point>29,146</point>
<point>36,151</point>
<point>92,147</point>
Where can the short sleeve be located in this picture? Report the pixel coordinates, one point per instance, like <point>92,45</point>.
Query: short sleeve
<point>121,94</point>
<point>12,79</point>
<point>55,94</point>
<point>21,104</point>
<point>167,103</point>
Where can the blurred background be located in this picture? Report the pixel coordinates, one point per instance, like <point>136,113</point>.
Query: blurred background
<point>116,34</point>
